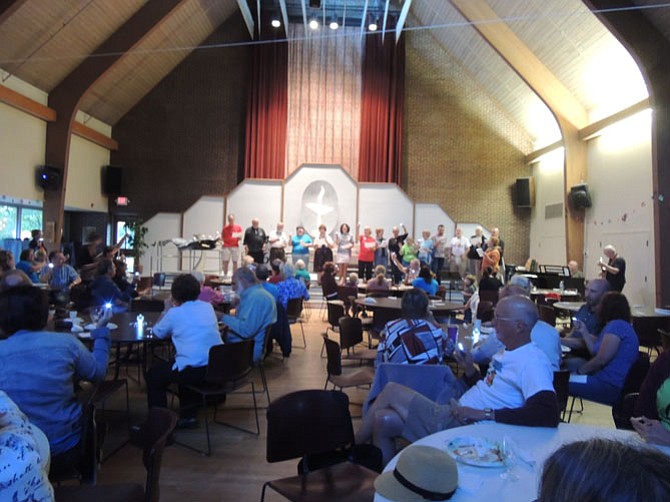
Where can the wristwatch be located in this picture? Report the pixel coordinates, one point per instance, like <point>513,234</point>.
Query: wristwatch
<point>488,414</point>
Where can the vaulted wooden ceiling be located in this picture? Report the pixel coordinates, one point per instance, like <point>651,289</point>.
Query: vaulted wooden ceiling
<point>42,41</point>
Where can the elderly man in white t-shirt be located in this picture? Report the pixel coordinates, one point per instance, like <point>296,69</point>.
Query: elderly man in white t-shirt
<point>458,248</point>
<point>518,389</point>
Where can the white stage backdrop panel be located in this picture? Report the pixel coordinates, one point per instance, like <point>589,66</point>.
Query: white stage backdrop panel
<point>316,194</point>
<point>256,199</point>
<point>384,205</point>
<point>204,218</point>
<point>429,216</point>
<point>162,227</point>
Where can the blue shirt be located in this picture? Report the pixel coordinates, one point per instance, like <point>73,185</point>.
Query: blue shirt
<point>38,371</point>
<point>590,319</point>
<point>257,310</point>
<point>291,288</point>
<point>62,277</point>
<point>272,289</point>
<point>428,287</point>
<point>194,329</point>
<point>615,371</point>
<point>299,243</point>
<point>27,267</point>
<point>104,289</point>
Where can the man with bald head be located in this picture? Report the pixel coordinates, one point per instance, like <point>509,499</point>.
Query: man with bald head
<point>614,271</point>
<point>518,389</point>
<point>254,241</point>
<point>588,313</point>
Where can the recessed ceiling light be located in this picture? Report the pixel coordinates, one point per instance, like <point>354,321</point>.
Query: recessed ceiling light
<point>334,24</point>
<point>276,23</point>
<point>314,24</point>
<point>372,26</point>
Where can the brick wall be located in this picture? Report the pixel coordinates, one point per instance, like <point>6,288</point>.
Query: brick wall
<point>454,158</point>
<point>185,138</point>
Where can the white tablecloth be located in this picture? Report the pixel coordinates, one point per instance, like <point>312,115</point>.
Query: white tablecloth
<point>536,443</point>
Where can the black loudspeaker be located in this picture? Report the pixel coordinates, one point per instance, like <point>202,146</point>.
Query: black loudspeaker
<point>579,197</point>
<point>525,192</point>
<point>112,178</point>
<point>48,178</point>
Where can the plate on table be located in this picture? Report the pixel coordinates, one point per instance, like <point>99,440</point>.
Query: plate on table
<point>85,335</point>
<point>110,326</point>
<point>476,451</point>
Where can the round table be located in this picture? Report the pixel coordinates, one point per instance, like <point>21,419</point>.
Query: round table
<point>441,307</point>
<point>534,445</point>
<point>569,306</point>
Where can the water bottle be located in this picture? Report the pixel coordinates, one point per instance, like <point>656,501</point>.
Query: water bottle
<point>561,286</point>
<point>476,330</point>
<point>139,325</point>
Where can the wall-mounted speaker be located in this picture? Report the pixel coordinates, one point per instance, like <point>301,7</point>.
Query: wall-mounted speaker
<point>48,178</point>
<point>112,180</point>
<point>525,192</point>
<point>579,197</point>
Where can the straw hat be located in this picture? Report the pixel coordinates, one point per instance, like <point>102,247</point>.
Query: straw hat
<point>422,473</point>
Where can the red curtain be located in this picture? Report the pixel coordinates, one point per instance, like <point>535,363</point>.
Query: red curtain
<point>382,109</point>
<point>265,154</point>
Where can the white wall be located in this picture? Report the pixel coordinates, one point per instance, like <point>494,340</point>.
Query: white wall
<point>428,217</point>
<point>547,236</point>
<point>384,205</point>
<point>84,189</point>
<point>162,227</point>
<point>256,199</point>
<point>205,217</point>
<point>620,181</point>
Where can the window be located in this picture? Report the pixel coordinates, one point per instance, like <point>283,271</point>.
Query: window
<point>122,230</point>
<point>8,218</point>
<point>19,221</point>
<point>31,219</point>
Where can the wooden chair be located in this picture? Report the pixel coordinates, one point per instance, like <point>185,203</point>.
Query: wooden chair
<point>227,371</point>
<point>336,374</point>
<point>307,423</point>
<point>155,431</point>
<point>294,314</point>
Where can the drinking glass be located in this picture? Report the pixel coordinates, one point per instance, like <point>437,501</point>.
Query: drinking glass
<point>509,457</point>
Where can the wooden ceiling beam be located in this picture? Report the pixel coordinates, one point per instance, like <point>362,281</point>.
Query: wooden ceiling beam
<point>25,104</point>
<point>67,95</point>
<point>9,7</point>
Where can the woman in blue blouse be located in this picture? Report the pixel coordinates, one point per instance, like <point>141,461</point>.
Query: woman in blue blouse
<point>425,281</point>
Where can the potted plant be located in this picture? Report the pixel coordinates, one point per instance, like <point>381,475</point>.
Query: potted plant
<point>136,240</point>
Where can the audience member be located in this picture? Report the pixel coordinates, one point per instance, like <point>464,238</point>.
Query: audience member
<point>425,245</point>
<point>574,270</point>
<point>414,338</point>
<point>614,271</point>
<point>302,274</point>
<point>207,293</point>
<point>425,281</point>
<point>291,288</point>
<point>439,251</point>
<point>344,242</point>
<point>230,235</point>
<point>366,254</point>
<point>262,274</point>
<point>542,334</point>
<point>658,374</point>
<point>192,326</point>
<point>600,470</point>
<point>300,244</point>
<point>37,241</point>
<point>14,278</point>
<point>7,262</point>
<point>276,271</point>
<point>24,456</point>
<point>518,389</point>
<point>90,254</point>
<point>613,352</point>
<point>39,368</point>
<point>394,245</point>
<point>127,288</point>
<point>254,241</point>
<point>409,272</point>
<point>458,252</point>
<point>256,311</point>
<point>378,282</point>
<point>27,264</point>
<point>588,315</point>
<point>61,276</point>
<point>352,280</point>
<point>489,281</point>
<point>278,241</point>
<point>328,281</point>
<point>104,290</point>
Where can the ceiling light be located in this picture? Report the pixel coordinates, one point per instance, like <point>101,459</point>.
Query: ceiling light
<point>333,23</point>
<point>373,26</point>
<point>314,24</point>
<point>276,23</point>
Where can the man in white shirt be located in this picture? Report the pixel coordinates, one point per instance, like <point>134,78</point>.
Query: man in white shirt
<point>278,241</point>
<point>459,246</point>
<point>439,250</point>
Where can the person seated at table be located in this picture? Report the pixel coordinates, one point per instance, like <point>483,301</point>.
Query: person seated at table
<point>658,374</point>
<point>7,262</point>
<point>410,272</point>
<point>542,334</point>
<point>14,278</point>
<point>605,470</point>
<point>302,274</point>
<point>207,293</point>
<point>425,281</point>
<point>104,290</point>
<point>489,282</point>
<point>192,326</point>
<point>37,241</point>
<point>128,288</point>
<point>613,352</point>
<point>39,369</point>
<point>291,288</point>
<point>518,389</point>
<point>328,281</point>
<point>378,282</point>
<point>573,266</point>
<point>27,264</point>
<point>256,311</point>
<point>656,430</point>
<point>276,268</point>
<point>24,456</point>
<point>588,315</point>
<point>262,273</point>
<point>414,338</point>
<point>61,276</point>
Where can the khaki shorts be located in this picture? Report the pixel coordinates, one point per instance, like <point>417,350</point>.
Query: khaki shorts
<point>231,253</point>
<point>425,417</point>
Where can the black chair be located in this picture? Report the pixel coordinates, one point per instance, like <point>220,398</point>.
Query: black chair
<point>227,371</point>
<point>485,311</point>
<point>351,335</point>
<point>335,312</point>
<point>562,389</point>
<point>142,305</point>
<point>547,314</point>
<point>488,295</point>
<point>379,319</point>
<point>307,424</point>
<point>622,411</point>
<point>647,329</point>
<point>294,313</point>
<point>338,376</point>
<point>105,390</point>
<point>154,433</point>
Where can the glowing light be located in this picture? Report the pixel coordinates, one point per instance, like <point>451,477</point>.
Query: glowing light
<point>276,23</point>
<point>314,24</point>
